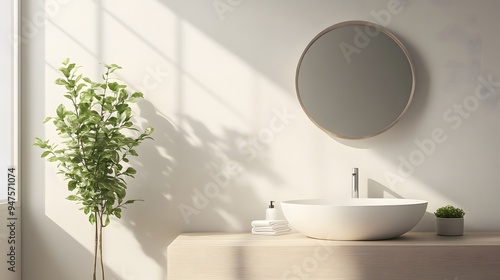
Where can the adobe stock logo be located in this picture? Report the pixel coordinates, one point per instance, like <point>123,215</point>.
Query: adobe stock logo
<point>363,36</point>
<point>30,27</point>
<point>153,78</point>
<point>223,6</point>
<point>362,39</point>
<point>223,169</point>
<point>309,264</point>
<point>454,116</point>
<point>265,136</point>
<point>220,176</point>
<point>384,16</point>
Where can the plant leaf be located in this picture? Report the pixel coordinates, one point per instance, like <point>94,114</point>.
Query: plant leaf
<point>73,197</point>
<point>46,153</point>
<point>92,218</point>
<point>71,185</point>
<point>61,111</point>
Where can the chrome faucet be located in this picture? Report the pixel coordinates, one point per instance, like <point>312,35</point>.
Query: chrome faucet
<point>354,189</point>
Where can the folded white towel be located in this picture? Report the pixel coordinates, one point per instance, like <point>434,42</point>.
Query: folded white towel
<point>271,228</point>
<point>279,232</point>
<point>268,223</point>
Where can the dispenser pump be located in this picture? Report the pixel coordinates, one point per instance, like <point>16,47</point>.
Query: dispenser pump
<point>271,213</point>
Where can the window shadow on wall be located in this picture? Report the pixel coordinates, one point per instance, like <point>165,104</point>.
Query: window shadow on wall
<point>190,180</point>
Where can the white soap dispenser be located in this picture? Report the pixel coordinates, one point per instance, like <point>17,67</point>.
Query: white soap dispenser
<point>271,213</point>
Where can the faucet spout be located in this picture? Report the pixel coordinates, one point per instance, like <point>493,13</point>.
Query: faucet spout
<point>355,189</point>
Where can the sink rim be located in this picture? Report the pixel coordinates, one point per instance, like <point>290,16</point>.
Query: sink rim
<point>353,202</point>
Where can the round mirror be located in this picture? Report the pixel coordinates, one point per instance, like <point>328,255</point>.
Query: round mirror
<point>355,80</point>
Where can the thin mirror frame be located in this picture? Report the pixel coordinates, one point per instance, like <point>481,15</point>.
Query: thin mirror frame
<point>391,36</point>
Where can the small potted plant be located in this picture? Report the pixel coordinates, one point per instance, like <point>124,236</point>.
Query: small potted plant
<point>449,220</point>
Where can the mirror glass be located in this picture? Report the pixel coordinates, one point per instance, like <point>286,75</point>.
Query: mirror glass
<point>355,80</point>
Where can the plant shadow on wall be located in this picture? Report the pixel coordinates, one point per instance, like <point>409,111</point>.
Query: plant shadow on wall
<point>191,180</point>
<point>377,190</point>
<point>80,256</point>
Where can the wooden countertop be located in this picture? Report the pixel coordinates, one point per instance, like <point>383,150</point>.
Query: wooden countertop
<point>414,255</point>
<point>298,239</point>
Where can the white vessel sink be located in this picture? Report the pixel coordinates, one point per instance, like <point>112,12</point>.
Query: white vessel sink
<point>354,219</point>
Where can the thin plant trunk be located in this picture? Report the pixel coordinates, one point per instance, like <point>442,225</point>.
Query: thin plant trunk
<point>100,246</point>
<point>96,238</point>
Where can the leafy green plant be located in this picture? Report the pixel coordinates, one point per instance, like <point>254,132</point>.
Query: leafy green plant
<point>95,128</point>
<point>449,211</point>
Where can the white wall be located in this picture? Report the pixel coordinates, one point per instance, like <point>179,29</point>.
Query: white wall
<point>217,84</point>
<point>5,93</point>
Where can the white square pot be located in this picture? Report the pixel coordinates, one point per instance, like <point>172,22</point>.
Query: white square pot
<point>450,226</point>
